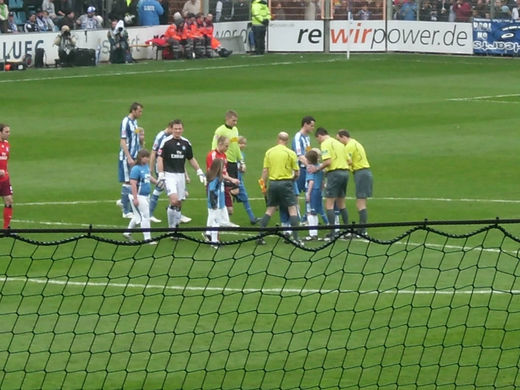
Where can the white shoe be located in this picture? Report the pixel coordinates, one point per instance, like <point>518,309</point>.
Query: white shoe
<point>154,220</point>
<point>128,236</point>
<point>152,243</point>
<point>119,203</point>
<point>229,224</point>
<point>184,219</point>
<point>128,215</point>
<point>206,237</point>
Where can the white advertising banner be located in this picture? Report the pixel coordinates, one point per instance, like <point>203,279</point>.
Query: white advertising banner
<point>361,37</point>
<point>430,37</point>
<point>297,36</point>
<point>283,36</point>
<point>400,35</point>
<point>14,47</point>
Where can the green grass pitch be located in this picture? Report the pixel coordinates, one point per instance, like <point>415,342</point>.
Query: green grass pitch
<point>441,136</point>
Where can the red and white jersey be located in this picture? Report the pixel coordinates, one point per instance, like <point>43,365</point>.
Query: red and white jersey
<point>214,154</point>
<point>4,157</point>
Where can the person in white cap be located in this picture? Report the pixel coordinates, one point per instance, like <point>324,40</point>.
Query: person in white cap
<point>89,21</point>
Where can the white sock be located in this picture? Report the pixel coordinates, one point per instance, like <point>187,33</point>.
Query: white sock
<point>312,221</point>
<point>145,224</point>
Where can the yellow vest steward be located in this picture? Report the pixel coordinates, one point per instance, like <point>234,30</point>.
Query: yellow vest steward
<point>259,12</point>
<point>281,163</point>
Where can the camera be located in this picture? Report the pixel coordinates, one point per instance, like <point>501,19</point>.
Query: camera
<point>65,34</point>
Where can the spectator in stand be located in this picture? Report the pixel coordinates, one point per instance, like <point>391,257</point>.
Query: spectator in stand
<point>241,11</point>
<point>12,27</point>
<point>48,5</point>
<point>363,13</point>
<point>463,11</point>
<point>514,10</point>
<point>481,10</point>
<point>63,7</point>
<point>443,10</point>
<point>66,46</point>
<point>44,21</point>
<point>130,18</point>
<point>163,19</point>
<point>89,21</point>
<point>149,12</point>
<point>218,10</point>
<point>502,11</point>
<point>118,10</point>
<point>408,10</point>
<point>191,7</point>
<point>278,13</point>
<point>4,15</point>
<point>310,10</point>
<point>341,10</point>
<point>425,13</point>
<point>69,20</point>
<point>30,25</point>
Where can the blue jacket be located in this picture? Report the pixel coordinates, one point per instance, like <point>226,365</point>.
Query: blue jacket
<point>149,12</point>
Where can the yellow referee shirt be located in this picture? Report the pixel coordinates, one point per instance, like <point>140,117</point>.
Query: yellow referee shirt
<point>334,150</point>
<point>281,163</point>
<point>233,154</point>
<point>356,153</point>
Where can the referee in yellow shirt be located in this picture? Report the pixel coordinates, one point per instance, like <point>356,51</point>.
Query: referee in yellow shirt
<point>281,168</point>
<point>334,163</point>
<point>357,159</point>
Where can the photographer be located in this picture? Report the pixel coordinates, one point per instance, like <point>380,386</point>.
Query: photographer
<point>66,46</point>
<point>119,48</point>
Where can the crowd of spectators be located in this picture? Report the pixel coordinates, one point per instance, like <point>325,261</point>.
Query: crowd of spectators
<point>83,14</point>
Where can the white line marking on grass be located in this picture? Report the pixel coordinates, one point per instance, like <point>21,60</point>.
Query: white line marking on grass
<point>170,70</point>
<point>489,98</point>
<point>223,290</point>
<point>416,199</point>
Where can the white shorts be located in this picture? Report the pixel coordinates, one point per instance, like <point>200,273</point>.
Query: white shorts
<point>142,211</point>
<point>175,183</point>
<point>218,217</point>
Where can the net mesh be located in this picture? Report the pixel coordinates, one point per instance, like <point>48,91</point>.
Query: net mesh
<point>425,308</point>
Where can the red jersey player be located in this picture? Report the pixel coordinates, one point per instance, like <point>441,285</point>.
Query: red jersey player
<point>6,191</point>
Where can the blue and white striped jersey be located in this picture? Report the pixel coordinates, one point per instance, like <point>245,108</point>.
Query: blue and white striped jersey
<point>301,144</point>
<point>130,133</point>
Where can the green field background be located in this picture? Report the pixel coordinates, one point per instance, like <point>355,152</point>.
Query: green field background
<point>424,311</point>
<point>432,157</point>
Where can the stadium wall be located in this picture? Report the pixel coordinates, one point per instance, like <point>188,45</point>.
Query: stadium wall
<point>306,36</point>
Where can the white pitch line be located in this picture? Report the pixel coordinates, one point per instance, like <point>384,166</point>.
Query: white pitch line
<point>485,98</point>
<point>415,199</point>
<point>281,290</point>
<point>171,70</point>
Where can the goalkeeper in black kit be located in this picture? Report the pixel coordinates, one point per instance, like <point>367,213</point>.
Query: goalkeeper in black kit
<point>172,156</point>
